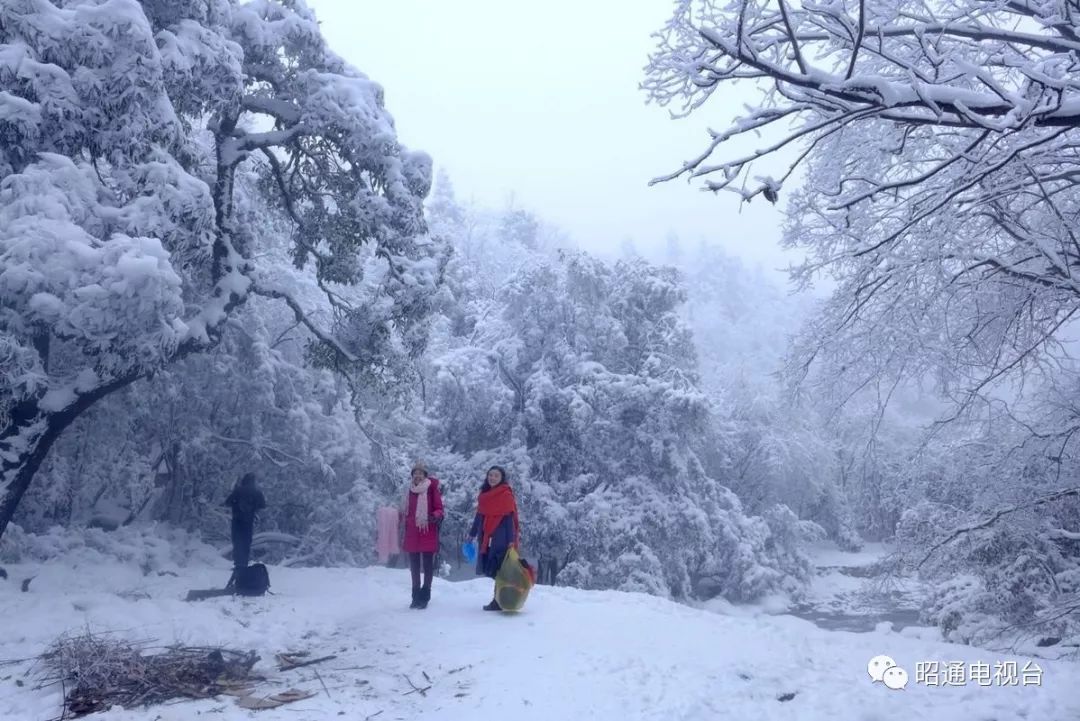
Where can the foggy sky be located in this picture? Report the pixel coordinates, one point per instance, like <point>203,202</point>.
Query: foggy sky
<point>541,100</point>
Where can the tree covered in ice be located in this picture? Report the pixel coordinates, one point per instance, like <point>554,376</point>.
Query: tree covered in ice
<point>938,157</point>
<point>580,376</point>
<point>996,522</point>
<point>768,447</point>
<point>937,150</point>
<point>143,144</point>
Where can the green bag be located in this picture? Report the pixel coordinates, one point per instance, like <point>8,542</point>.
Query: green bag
<point>513,582</point>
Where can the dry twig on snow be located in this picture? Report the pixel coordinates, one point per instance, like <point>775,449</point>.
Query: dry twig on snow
<point>97,672</point>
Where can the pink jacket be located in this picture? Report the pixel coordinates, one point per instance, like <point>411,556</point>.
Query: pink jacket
<point>386,538</point>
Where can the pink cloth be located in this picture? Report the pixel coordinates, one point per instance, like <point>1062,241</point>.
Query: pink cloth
<point>386,539</point>
<point>417,541</point>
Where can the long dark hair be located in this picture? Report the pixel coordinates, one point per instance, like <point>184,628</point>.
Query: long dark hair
<point>502,472</point>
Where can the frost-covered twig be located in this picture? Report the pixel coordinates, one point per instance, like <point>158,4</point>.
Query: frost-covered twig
<point>969,72</point>
<point>262,449</point>
<point>327,339</point>
<point>997,515</point>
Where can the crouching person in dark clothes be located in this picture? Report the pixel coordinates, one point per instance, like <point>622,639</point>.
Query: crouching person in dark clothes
<point>245,501</point>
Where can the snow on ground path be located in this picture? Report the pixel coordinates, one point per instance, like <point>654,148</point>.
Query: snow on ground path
<point>571,654</point>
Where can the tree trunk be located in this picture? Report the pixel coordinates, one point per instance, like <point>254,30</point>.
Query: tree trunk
<point>26,442</point>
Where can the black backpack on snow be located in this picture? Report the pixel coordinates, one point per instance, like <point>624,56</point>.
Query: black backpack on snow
<point>251,581</point>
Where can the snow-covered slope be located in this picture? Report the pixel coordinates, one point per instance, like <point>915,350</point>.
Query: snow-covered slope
<point>570,655</point>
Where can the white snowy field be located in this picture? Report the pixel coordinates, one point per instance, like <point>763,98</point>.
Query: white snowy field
<point>570,655</point>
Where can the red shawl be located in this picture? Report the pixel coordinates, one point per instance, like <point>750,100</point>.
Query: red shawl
<point>494,504</point>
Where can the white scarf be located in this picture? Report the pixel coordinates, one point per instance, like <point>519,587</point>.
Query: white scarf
<point>421,491</point>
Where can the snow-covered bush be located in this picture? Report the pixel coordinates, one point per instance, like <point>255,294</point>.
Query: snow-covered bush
<point>149,547</point>
<point>1019,578</point>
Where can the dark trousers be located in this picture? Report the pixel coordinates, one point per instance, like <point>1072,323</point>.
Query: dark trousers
<point>242,533</point>
<point>428,559</point>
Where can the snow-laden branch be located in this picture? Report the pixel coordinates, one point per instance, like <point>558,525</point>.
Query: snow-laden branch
<point>940,148</point>
<point>967,72</point>
<point>263,449</point>
<point>282,110</point>
<point>326,338</point>
<point>996,516</point>
<point>966,30</point>
<point>235,149</point>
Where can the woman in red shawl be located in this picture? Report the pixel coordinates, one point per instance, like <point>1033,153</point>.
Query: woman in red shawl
<point>496,524</point>
<point>422,515</point>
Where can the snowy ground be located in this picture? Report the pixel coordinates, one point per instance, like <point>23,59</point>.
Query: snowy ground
<point>569,655</point>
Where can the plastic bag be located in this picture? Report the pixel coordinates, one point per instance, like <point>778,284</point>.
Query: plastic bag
<point>513,581</point>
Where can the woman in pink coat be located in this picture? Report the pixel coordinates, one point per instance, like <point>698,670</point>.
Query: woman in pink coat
<point>422,515</point>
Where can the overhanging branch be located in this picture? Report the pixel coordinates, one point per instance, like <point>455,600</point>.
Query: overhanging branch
<point>995,517</point>
<point>302,318</point>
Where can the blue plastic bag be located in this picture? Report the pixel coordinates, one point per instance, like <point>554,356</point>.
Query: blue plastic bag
<point>468,549</point>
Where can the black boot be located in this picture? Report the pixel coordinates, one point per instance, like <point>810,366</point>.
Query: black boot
<point>424,597</point>
<point>415,598</point>
<point>493,606</point>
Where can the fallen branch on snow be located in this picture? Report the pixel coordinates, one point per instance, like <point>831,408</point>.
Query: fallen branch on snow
<point>416,689</point>
<point>107,671</point>
<point>289,661</point>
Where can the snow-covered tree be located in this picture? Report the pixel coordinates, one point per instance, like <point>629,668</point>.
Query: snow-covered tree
<point>580,377</point>
<point>937,144</point>
<point>768,448</point>
<point>995,529</point>
<point>136,138</point>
